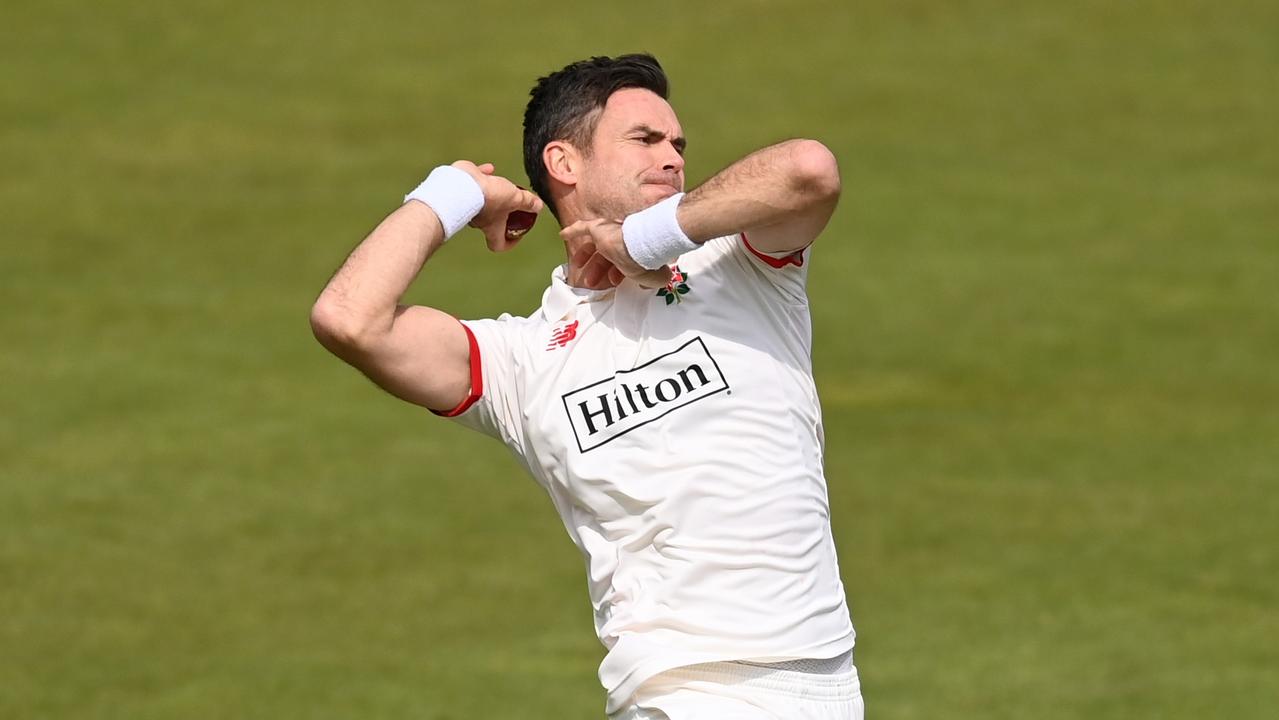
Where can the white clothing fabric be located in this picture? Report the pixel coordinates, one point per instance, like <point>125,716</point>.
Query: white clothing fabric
<point>679,436</point>
<point>739,691</point>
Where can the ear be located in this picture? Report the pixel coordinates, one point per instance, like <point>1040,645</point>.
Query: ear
<point>562,161</point>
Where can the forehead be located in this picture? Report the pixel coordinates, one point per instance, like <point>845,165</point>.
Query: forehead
<point>636,106</point>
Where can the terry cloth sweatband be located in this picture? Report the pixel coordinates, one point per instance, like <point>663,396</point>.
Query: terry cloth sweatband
<point>453,194</point>
<point>653,236</point>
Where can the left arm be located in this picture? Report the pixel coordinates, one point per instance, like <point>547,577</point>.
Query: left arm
<point>782,196</point>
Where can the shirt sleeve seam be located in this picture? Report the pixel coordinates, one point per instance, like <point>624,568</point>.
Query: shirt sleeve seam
<point>477,377</point>
<point>795,258</point>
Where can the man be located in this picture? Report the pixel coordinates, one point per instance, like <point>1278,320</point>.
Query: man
<point>662,394</point>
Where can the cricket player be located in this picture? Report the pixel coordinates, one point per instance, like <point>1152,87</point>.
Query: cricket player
<point>662,393</point>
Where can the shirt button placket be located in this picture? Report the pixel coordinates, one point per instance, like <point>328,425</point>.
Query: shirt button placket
<point>630,320</point>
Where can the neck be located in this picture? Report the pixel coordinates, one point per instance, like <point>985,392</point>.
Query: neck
<point>574,273</point>
<point>569,213</point>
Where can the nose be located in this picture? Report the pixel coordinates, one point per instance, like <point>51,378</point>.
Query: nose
<point>672,160</point>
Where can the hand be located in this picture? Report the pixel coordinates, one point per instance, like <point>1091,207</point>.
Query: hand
<point>501,198</point>
<point>601,255</point>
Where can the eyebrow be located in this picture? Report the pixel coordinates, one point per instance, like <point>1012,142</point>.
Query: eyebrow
<point>679,142</point>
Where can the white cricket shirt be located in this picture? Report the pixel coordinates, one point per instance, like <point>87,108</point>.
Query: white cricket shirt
<point>679,436</point>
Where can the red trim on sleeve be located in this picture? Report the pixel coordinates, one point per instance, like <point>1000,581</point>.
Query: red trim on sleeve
<point>796,258</point>
<point>477,378</point>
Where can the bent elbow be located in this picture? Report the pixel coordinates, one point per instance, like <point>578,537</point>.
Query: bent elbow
<point>816,171</point>
<point>334,328</point>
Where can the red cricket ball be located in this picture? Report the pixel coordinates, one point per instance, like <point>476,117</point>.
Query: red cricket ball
<point>518,223</point>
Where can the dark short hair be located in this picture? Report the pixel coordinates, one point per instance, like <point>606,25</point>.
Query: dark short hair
<point>566,105</point>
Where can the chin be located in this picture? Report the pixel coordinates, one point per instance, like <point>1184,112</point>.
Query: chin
<point>646,196</point>
<point>655,193</point>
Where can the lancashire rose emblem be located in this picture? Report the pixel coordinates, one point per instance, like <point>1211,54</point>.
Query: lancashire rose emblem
<point>677,288</point>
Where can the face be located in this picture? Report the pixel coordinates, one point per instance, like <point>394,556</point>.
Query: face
<point>637,155</point>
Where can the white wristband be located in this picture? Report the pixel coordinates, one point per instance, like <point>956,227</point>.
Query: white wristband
<point>653,236</point>
<point>454,195</point>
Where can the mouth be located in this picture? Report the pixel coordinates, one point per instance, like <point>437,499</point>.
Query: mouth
<point>668,188</point>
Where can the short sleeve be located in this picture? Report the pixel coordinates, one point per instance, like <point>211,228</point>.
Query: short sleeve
<point>787,272</point>
<point>492,407</point>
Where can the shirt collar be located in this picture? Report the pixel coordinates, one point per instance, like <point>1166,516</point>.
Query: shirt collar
<point>560,298</point>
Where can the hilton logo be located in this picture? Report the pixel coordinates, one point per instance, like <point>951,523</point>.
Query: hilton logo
<point>608,409</point>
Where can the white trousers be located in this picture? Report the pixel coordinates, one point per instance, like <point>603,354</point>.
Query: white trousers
<point>735,691</point>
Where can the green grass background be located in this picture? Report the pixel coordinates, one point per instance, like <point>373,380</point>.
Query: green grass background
<point>1047,337</point>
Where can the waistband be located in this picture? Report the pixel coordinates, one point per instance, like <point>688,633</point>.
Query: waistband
<point>774,678</point>
<point>825,666</point>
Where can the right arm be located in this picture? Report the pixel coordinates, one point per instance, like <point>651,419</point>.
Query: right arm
<point>416,353</point>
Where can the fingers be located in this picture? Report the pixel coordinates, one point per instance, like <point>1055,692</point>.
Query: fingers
<point>604,240</point>
<point>583,255</point>
<point>528,201</point>
<point>596,272</point>
<point>495,238</point>
<point>525,200</point>
<point>651,279</point>
<point>599,273</point>
<point>579,228</point>
<point>509,210</point>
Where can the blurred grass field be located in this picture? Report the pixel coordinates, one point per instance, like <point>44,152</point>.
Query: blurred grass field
<point>1047,344</point>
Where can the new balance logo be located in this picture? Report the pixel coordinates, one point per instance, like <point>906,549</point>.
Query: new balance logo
<point>608,409</point>
<point>563,336</point>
